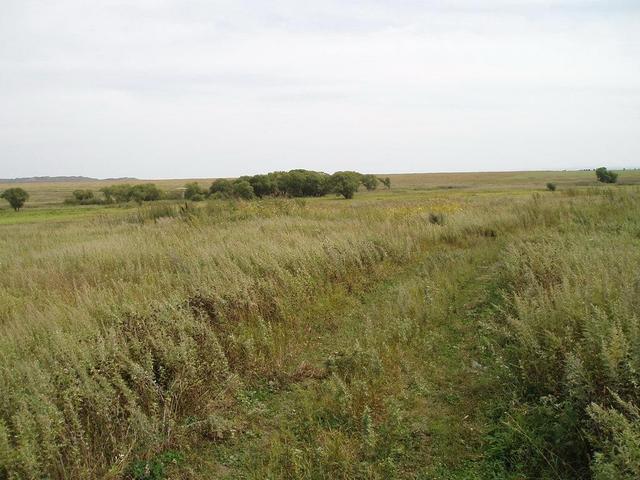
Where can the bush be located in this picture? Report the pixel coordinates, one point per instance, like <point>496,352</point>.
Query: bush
<point>16,197</point>
<point>436,218</point>
<point>551,187</point>
<point>606,176</point>
<point>156,468</point>
<point>82,195</point>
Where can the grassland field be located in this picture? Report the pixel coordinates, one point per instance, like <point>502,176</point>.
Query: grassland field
<point>458,326</point>
<point>54,193</point>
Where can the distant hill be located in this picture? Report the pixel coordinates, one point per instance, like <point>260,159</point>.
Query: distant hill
<point>58,179</point>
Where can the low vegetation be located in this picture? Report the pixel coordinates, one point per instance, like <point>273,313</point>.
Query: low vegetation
<point>446,334</point>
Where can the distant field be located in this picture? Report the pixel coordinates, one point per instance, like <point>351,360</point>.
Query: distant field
<point>43,193</point>
<point>535,179</point>
<point>457,327</point>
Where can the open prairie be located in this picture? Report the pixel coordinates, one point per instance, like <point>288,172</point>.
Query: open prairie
<point>51,193</point>
<point>456,326</point>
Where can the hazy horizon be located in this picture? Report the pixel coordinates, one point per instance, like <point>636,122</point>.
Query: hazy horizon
<point>202,89</point>
<point>443,172</point>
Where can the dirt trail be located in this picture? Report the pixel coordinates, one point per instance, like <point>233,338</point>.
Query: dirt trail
<point>413,340</point>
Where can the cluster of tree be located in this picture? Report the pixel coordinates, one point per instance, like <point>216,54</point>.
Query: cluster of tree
<point>295,183</point>
<point>122,193</point>
<point>606,176</point>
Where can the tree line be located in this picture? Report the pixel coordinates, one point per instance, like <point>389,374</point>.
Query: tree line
<point>120,193</point>
<point>294,183</point>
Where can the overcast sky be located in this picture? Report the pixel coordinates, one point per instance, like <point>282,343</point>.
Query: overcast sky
<point>208,88</point>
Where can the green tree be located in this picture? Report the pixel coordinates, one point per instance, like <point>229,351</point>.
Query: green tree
<point>243,189</point>
<point>370,182</point>
<point>16,197</point>
<point>263,185</point>
<point>221,187</point>
<point>345,183</point>
<point>606,176</point>
<point>314,184</point>
<point>551,186</point>
<point>386,182</point>
<point>193,191</point>
<point>145,192</point>
<point>120,193</point>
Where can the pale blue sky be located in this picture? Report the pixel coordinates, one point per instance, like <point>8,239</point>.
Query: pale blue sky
<point>162,89</point>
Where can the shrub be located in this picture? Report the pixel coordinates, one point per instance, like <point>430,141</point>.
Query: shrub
<point>16,197</point>
<point>606,176</point>
<point>82,195</point>
<point>436,218</point>
<point>156,468</point>
<point>551,187</point>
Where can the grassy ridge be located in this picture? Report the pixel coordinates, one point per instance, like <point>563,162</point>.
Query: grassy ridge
<point>325,338</point>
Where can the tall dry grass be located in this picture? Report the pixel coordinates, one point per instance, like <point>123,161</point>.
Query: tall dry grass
<point>120,332</point>
<point>570,340</point>
<point>127,334</point>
